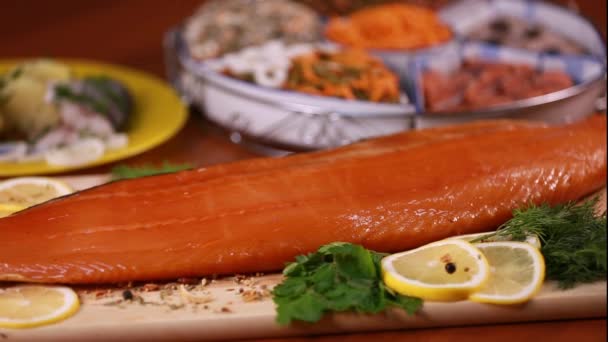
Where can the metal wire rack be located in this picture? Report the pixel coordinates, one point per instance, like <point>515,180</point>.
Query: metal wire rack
<point>309,127</point>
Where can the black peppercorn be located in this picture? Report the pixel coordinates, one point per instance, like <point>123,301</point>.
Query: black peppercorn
<point>127,295</point>
<point>450,267</point>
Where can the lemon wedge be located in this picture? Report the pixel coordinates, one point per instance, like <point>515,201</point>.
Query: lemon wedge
<point>531,239</point>
<point>517,272</point>
<point>7,209</point>
<point>30,306</point>
<point>445,270</point>
<point>20,193</point>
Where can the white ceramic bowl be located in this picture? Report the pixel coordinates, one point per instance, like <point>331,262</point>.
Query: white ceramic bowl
<point>287,118</point>
<point>465,15</point>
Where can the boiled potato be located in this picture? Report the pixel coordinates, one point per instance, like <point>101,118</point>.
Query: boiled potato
<point>43,70</point>
<point>25,108</point>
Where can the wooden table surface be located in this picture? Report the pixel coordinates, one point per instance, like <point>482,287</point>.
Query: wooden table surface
<point>129,32</point>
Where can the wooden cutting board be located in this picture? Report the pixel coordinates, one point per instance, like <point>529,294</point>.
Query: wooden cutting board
<point>240,307</point>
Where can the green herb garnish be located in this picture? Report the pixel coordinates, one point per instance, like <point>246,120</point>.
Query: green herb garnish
<point>360,94</point>
<point>99,93</point>
<point>573,239</point>
<point>64,92</point>
<point>338,277</point>
<point>129,172</point>
<point>324,72</point>
<point>351,72</point>
<point>15,73</point>
<point>295,75</point>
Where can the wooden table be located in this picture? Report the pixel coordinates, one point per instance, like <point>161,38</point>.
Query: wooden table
<point>129,32</point>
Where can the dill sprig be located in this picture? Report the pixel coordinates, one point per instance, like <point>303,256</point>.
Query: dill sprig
<point>573,239</point>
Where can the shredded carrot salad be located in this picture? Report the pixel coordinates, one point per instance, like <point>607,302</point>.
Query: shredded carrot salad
<point>349,74</point>
<point>390,26</point>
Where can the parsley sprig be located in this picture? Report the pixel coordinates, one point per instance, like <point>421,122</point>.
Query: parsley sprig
<point>129,172</point>
<point>338,277</point>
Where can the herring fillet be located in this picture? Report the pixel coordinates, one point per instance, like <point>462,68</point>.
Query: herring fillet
<point>388,194</point>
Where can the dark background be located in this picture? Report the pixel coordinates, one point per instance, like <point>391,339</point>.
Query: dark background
<point>127,32</point>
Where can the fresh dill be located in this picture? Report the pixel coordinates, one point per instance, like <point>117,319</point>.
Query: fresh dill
<point>573,239</point>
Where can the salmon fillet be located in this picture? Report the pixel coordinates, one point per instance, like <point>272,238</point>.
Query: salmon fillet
<point>388,194</point>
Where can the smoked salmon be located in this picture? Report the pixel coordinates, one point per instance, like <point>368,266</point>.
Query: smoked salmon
<point>388,194</point>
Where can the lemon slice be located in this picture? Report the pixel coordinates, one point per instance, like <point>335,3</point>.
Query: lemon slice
<point>7,209</point>
<point>517,271</point>
<point>531,239</point>
<point>444,270</point>
<point>30,306</point>
<point>20,193</point>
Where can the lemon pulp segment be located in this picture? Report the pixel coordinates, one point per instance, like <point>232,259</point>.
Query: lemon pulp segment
<point>445,270</point>
<point>517,272</point>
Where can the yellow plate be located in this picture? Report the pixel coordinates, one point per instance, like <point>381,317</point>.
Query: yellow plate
<point>159,114</point>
